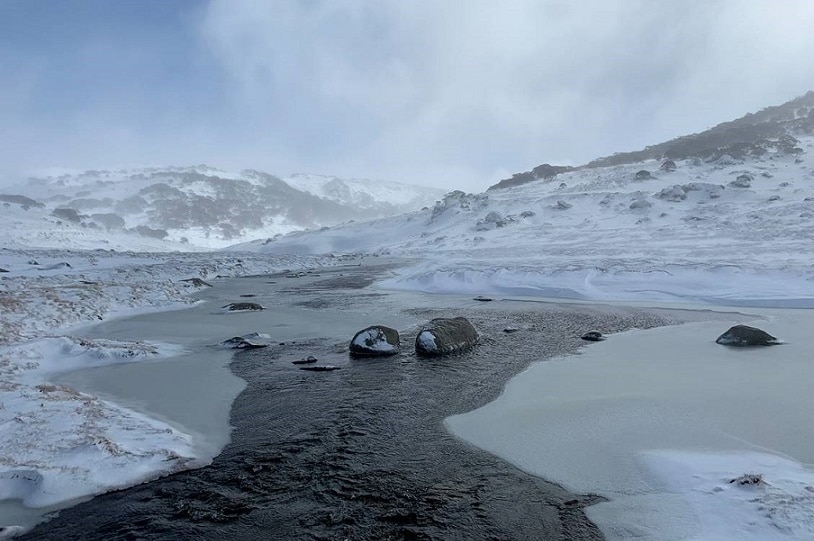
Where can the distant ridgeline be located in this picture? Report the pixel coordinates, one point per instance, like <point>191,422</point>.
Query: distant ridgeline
<point>754,134</point>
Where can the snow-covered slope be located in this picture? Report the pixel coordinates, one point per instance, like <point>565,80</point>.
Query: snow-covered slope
<point>187,208</point>
<point>377,195</point>
<point>726,229</point>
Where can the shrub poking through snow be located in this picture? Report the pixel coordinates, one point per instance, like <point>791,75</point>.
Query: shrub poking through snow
<point>748,479</point>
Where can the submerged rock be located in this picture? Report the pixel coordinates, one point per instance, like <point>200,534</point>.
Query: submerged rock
<point>3,270</point>
<point>481,298</point>
<point>308,360</point>
<point>323,368</point>
<point>242,307</point>
<point>743,335</point>
<point>593,336</point>
<point>375,341</point>
<point>443,336</point>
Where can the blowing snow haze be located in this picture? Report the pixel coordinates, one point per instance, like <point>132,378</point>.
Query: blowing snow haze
<point>457,94</point>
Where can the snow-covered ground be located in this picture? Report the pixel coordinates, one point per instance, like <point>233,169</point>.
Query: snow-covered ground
<point>56,443</point>
<point>694,234</point>
<point>659,421</point>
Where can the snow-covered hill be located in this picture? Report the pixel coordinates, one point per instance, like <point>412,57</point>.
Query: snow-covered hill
<point>188,208</point>
<point>724,229</point>
<point>377,195</point>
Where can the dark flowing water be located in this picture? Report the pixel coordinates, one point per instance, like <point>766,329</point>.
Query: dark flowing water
<point>361,452</point>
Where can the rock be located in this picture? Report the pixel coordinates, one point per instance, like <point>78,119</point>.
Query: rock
<point>743,336</point>
<point>643,174</point>
<point>247,341</point>
<point>242,307</point>
<point>674,193</point>
<point>774,198</point>
<point>238,342</point>
<point>481,298</point>
<point>562,205</point>
<point>593,336</point>
<point>375,341</point>
<point>444,336</point>
<point>527,214</point>
<point>197,282</point>
<point>668,165</point>
<point>3,270</point>
<point>640,204</point>
<point>323,368</point>
<point>510,330</point>
<point>247,295</point>
<point>308,360</point>
<point>743,181</point>
<point>67,214</point>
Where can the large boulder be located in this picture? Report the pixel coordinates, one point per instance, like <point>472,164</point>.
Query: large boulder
<point>375,341</point>
<point>743,335</point>
<point>444,336</point>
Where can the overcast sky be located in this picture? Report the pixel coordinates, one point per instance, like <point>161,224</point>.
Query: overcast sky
<point>450,93</point>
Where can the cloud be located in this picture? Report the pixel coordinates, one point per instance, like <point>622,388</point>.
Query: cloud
<point>427,89</point>
<point>458,93</point>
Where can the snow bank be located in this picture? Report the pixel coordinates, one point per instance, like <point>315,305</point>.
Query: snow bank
<point>59,444</point>
<point>719,285</point>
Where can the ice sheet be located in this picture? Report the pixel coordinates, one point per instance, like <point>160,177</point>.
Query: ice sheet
<point>659,421</point>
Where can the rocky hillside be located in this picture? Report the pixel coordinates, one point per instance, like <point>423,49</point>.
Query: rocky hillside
<point>773,129</point>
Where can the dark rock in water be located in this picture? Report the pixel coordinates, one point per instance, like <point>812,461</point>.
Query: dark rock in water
<point>247,341</point>
<point>3,270</point>
<point>593,336</point>
<point>375,341</point>
<point>444,336</point>
<point>743,335</point>
<point>323,368</point>
<point>481,298</point>
<point>643,174</point>
<point>238,342</point>
<point>510,330</point>
<point>247,295</point>
<point>308,360</point>
<point>242,306</point>
<point>197,282</point>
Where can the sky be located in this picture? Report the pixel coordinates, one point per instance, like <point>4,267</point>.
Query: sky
<point>456,94</point>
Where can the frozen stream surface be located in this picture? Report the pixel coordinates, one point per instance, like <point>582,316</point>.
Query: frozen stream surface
<point>660,421</point>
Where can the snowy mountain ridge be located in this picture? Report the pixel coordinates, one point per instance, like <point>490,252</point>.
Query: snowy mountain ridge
<point>188,208</point>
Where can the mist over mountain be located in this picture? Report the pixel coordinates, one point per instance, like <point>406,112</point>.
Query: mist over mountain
<point>200,206</point>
